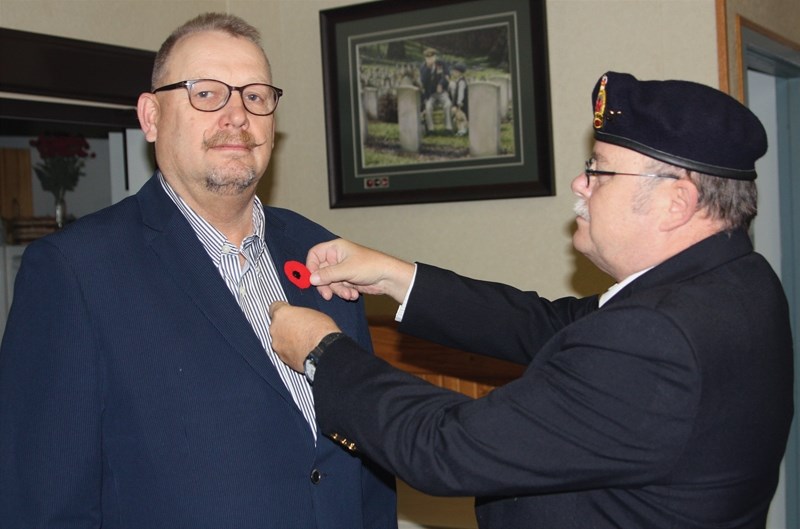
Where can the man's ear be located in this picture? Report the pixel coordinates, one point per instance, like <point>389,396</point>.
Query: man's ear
<point>148,111</point>
<point>683,196</point>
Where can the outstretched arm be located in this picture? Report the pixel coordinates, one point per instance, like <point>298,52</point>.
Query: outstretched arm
<point>347,270</point>
<point>341,268</point>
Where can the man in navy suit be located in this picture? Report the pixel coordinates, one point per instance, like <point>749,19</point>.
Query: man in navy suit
<point>664,403</point>
<point>138,387</point>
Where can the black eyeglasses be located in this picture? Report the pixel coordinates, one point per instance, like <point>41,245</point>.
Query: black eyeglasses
<point>589,172</point>
<point>210,95</point>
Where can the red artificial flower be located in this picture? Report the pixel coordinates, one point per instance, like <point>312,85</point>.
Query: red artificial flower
<point>297,273</point>
<point>62,146</point>
<point>62,162</point>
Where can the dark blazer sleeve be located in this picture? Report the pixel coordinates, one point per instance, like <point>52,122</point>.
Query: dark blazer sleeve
<point>485,317</point>
<point>594,409</point>
<point>50,395</point>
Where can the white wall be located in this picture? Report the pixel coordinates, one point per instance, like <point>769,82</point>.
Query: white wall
<point>525,241</point>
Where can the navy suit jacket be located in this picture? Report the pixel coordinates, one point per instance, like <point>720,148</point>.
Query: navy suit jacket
<point>135,394</point>
<point>669,407</point>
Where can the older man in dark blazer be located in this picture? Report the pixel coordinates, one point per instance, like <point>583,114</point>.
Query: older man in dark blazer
<point>664,403</point>
<point>138,388</point>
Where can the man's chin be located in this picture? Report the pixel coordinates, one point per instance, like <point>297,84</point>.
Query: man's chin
<point>580,239</point>
<point>231,182</point>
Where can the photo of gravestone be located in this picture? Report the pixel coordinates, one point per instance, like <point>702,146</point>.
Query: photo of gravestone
<point>440,97</point>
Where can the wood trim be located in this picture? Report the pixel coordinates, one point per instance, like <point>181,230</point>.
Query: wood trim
<point>58,115</point>
<point>743,22</point>
<point>722,45</point>
<point>16,193</point>
<point>46,65</point>
<point>739,59</point>
<point>69,70</point>
<point>777,37</point>
<point>471,374</point>
<point>732,68</point>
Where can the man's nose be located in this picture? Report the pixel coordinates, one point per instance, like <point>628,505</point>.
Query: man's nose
<point>581,185</point>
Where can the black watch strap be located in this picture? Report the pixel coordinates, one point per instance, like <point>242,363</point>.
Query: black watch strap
<point>314,356</point>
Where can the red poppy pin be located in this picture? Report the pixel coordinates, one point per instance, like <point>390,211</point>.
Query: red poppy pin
<point>297,273</point>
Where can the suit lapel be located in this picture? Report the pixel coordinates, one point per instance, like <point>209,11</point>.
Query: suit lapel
<point>186,261</point>
<point>283,248</point>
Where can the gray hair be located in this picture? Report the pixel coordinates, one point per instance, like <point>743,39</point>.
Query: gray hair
<point>230,24</point>
<point>734,202</point>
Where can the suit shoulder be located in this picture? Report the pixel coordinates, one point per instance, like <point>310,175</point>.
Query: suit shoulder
<point>98,226</point>
<point>292,222</point>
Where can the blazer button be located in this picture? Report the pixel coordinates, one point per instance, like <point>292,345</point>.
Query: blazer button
<point>315,476</point>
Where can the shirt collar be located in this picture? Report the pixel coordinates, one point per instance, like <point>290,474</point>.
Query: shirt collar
<point>214,242</point>
<point>615,288</point>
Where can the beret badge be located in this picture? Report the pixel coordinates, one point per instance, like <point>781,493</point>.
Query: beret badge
<point>600,104</point>
<point>681,123</point>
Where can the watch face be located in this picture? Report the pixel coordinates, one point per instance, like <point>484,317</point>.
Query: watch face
<point>310,367</point>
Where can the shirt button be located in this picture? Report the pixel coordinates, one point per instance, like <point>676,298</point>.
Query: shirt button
<point>315,476</point>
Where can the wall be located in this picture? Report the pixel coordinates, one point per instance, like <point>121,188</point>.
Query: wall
<point>779,18</point>
<point>525,241</point>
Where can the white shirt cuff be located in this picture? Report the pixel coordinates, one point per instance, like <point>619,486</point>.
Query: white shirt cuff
<point>402,308</point>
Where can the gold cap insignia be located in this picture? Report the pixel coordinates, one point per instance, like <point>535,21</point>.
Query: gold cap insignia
<point>600,104</point>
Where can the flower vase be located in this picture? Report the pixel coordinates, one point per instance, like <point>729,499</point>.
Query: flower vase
<point>61,212</point>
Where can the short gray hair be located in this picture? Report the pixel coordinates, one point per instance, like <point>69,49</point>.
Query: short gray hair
<point>734,202</point>
<point>230,24</point>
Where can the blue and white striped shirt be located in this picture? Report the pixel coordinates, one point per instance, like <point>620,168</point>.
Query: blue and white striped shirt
<point>255,285</point>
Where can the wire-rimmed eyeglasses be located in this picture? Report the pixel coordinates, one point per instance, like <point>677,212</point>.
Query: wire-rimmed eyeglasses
<point>589,172</point>
<point>210,95</point>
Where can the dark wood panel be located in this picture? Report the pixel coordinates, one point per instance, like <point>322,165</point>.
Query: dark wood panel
<point>33,63</point>
<point>468,373</point>
<point>20,117</point>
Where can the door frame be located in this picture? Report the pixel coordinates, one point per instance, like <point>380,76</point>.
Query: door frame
<point>759,49</point>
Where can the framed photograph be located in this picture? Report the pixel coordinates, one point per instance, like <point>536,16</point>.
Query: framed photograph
<point>436,101</point>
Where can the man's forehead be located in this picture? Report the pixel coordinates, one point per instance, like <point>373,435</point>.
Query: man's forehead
<point>206,50</point>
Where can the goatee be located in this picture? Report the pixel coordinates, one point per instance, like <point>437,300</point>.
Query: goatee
<point>235,176</point>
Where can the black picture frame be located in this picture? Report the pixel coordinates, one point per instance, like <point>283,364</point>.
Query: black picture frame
<point>371,50</point>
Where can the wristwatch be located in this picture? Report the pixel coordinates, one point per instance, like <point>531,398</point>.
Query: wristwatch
<point>314,356</point>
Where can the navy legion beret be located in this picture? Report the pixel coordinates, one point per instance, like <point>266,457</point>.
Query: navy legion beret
<point>682,123</point>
